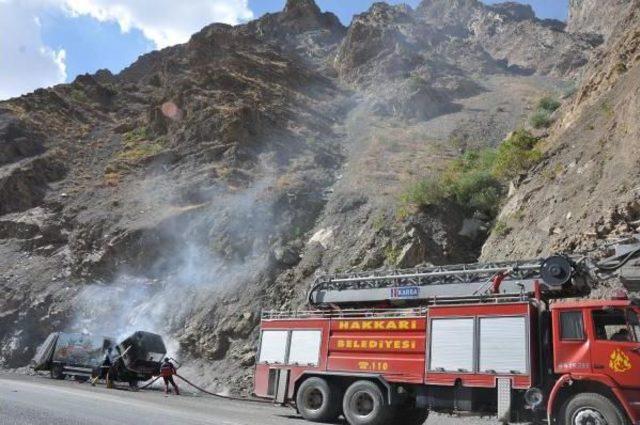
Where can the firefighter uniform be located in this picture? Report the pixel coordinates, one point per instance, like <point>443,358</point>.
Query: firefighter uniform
<point>167,370</point>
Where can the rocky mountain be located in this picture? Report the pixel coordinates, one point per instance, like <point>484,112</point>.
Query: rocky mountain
<point>210,180</point>
<point>597,17</point>
<point>586,189</point>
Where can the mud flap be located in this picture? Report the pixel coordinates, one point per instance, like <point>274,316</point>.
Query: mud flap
<point>504,400</point>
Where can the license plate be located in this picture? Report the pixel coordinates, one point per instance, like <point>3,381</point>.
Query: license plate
<point>405,292</point>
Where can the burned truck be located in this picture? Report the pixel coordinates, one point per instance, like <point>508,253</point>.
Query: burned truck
<point>72,354</point>
<point>136,358</point>
<point>139,357</point>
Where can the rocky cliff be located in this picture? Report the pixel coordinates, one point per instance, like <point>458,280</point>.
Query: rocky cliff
<point>586,189</point>
<point>213,179</point>
<point>597,16</point>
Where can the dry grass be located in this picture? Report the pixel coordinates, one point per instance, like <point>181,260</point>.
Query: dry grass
<point>137,147</point>
<point>390,156</point>
<point>112,179</point>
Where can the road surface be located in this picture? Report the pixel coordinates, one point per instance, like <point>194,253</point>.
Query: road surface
<point>28,400</point>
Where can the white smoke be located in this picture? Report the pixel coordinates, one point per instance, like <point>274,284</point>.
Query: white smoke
<point>189,275</point>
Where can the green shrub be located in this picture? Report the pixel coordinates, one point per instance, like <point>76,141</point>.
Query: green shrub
<point>139,145</point>
<point>548,104</point>
<point>477,180</point>
<point>501,229</point>
<point>541,119</point>
<point>620,68</point>
<point>136,135</point>
<point>516,154</point>
<point>146,149</point>
<point>428,191</point>
<point>466,181</point>
<point>392,254</point>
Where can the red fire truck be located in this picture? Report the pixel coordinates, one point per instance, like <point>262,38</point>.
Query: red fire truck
<point>512,339</point>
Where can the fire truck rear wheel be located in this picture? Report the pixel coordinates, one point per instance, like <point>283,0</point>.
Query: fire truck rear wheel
<point>592,408</point>
<point>318,401</point>
<point>364,403</point>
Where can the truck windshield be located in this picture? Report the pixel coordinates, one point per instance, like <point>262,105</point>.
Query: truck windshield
<point>616,324</point>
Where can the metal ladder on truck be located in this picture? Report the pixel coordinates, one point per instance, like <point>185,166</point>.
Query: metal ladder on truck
<point>556,276</point>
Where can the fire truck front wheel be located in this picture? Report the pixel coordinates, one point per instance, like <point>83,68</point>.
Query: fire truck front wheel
<point>591,408</point>
<point>364,403</point>
<point>318,401</point>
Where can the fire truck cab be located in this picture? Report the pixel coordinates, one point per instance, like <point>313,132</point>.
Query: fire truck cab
<point>596,362</point>
<point>520,358</point>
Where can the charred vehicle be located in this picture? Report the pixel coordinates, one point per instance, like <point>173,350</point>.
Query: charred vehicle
<point>72,354</point>
<point>138,358</point>
<point>134,359</point>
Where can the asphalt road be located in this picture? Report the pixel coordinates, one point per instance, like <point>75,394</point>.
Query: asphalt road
<point>26,400</point>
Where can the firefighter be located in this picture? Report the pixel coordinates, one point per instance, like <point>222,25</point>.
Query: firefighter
<point>104,367</point>
<point>106,363</point>
<point>621,335</point>
<point>167,370</point>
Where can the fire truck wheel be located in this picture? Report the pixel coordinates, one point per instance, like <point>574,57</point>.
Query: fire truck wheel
<point>318,401</point>
<point>364,403</point>
<point>592,408</point>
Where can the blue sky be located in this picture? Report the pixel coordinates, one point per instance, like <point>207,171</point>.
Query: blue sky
<point>53,41</point>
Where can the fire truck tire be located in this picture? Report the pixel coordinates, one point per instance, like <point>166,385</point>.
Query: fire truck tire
<point>587,408</point>
<point>364,403</point>
<point>318,401</point>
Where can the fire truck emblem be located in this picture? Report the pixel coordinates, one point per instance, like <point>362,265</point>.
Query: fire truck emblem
<point>619,361</point>
<point>363,365</point>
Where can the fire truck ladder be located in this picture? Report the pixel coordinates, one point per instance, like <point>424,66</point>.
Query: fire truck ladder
<point>552,277</point>
<point>428,284</point>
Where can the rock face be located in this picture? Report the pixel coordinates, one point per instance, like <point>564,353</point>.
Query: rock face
<point>210,180</point>
<point>596,16</point>
<point>586,189</point>
<point>511,34</point>
<point>415,64</point>
<point>170,155</point>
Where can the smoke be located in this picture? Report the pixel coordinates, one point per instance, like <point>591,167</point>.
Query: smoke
<point>204,250</point>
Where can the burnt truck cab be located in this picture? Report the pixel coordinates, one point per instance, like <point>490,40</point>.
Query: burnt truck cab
<point>570,362</point>
<point>596,350</point>
<point>139,358</point>
<point>71,354</point>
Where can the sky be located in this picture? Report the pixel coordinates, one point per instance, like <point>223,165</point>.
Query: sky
<point>46,42</point>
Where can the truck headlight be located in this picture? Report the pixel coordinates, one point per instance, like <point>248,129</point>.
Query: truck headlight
<point>533,397</point>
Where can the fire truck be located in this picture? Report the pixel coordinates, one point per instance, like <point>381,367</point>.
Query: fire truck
<point>514,339</point>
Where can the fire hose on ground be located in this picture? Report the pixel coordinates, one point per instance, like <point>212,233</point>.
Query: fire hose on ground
<point>226,397</point>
